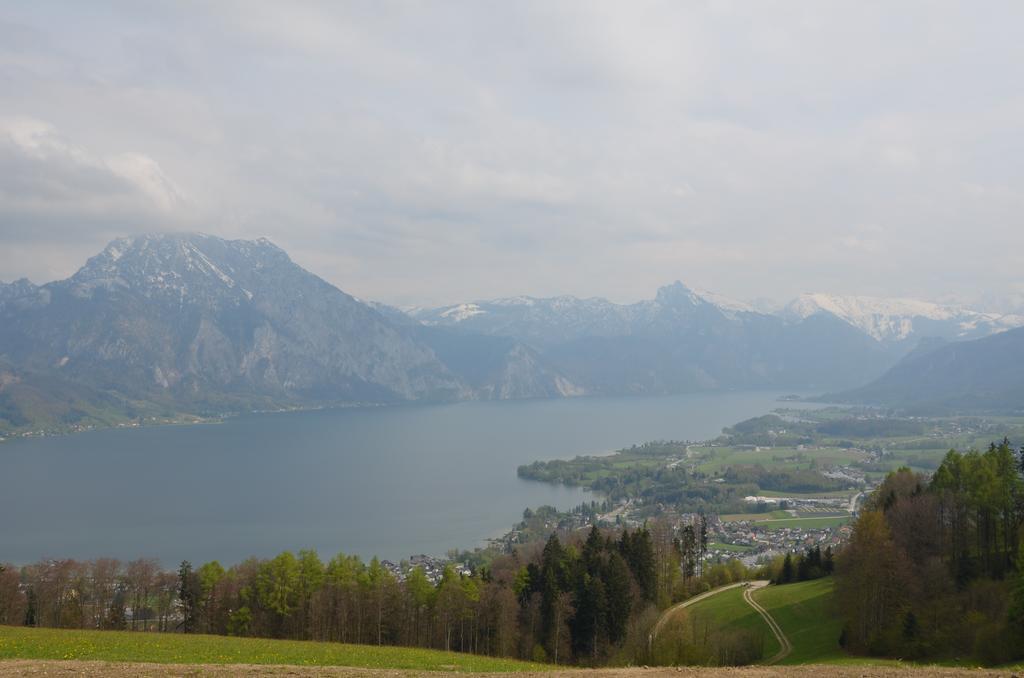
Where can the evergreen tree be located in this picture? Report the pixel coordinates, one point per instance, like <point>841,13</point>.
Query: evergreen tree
<point>803,568</point>
<point>30,609</point>
<point>619,596</point>
<point>787,570</point>
<point>688,551</point>
<point>703,541</point>
<point>643,565</point>
<point>551,578</point>
<point>815,557</point>
<point>588,624</point>
<point>592,552</point>
<point>188,595</point>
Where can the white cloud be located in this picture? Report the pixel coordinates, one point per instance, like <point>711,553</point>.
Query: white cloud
<point>425,153</point>
<point>49,172</point>
<point>146,174</point>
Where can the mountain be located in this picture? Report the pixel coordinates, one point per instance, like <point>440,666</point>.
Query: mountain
<point>981,375</point>
<point>498,368</point>
<point>539,322</point>
<point>682,340</point>
<point>903,320</point>
<point>195,323</point>
<point>686,339</point>
<point>163,325</point>
<point>556,320</point>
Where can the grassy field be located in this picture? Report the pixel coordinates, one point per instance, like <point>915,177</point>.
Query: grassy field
<point>776,519</point>
<point>804,612</point>
<point>809,495</point>
<point>754,517</point>
<point>727,610</point>
<point>808,521</point>
<point>717,459</point>
<point>734,548</point>
<point>173,648</point>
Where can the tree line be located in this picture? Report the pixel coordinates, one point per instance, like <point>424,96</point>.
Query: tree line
<point>812,564</point>
<point>934,566</point>
<point>578,597</point>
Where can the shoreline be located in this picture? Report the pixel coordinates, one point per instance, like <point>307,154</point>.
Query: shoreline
<point>180,420</point>
<point>185,419</point>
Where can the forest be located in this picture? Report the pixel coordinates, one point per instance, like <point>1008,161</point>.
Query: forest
<point>934,566</point>
<point>582,598</point>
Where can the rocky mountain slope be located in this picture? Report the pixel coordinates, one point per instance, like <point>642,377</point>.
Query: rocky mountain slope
<point>201,324</point>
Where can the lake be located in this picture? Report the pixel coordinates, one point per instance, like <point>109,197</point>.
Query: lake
<point>390,481</point>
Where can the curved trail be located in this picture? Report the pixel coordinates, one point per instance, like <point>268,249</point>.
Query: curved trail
<point>785,647</point>
<point>667,614</point>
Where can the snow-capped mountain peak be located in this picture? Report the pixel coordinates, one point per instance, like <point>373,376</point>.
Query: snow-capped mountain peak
<point>896,319</point>
<point>725,303</point>
<point>179,265</point>
<point>461,312</point>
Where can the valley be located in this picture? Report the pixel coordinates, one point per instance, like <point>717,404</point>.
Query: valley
<point>572,338</point>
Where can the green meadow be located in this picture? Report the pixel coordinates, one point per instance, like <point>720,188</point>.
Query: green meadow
<point>175,648</point>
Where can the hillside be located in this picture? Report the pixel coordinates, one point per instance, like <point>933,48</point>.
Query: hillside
<point>804,611</point>
<point>728,612</point>
<point>981,375</point>
<point>156,325</point>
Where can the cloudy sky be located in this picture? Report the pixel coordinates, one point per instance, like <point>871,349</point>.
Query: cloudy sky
<point>430,152</point>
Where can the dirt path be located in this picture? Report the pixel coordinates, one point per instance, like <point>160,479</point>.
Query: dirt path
<point>670,612</point>
<point>67,669</point>
<point>785,647</point>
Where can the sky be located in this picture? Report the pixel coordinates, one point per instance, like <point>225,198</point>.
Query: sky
<point>424,153</point>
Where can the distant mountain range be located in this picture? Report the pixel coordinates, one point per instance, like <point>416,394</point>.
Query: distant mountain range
<point>558,319</point>
<point>687,339</point>
<point>903,320</point>
<point>165,324</point>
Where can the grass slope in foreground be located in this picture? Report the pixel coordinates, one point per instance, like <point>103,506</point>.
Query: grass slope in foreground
<point>727,611</point>
<point>174,648</point>
<point>805,613</point>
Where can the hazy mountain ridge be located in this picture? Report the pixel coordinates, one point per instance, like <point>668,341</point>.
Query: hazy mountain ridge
<point>556,319</point>
<point>196,323</point>
<point>682,340</point>
<point>981,375</point>
<point>686,339</point>
<point>553,320</point>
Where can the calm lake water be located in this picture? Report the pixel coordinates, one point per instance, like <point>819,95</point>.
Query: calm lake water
<point>389,481</point>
